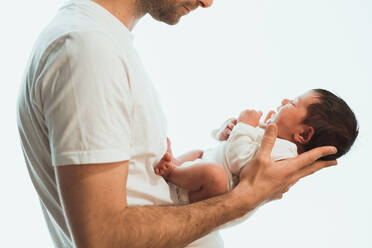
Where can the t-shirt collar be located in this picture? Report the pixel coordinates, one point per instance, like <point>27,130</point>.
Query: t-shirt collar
<point>108,19</point>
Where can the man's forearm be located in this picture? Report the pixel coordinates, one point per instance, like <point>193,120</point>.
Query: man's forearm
<point>170,226</point>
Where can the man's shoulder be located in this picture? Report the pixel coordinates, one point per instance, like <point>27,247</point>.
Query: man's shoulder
<point>81,30</point>
<point>54,38</point>
<point>57,47</point>
<point>74,31</point>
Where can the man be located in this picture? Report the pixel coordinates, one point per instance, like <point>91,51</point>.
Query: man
<point>92,131</point>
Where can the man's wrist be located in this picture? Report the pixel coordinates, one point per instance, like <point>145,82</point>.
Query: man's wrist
<point>246,198</point>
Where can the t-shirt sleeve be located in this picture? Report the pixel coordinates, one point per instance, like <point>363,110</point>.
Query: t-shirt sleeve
<point>86,100</point>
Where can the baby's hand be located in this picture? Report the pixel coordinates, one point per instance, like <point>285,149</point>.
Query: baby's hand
<point>267,119</point>
<point>250,117</point>
<point>224,131</point>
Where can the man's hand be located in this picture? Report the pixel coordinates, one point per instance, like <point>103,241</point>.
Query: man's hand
<point>224,131</point>
<point>268,180</point>
<point>250,117</point>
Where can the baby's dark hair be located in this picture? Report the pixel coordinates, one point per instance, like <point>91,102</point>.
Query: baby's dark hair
<point>334,124</point>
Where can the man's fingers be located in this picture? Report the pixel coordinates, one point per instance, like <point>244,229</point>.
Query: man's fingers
<point>268,141</point>
<point>313,168</point>
<point>313,155</point>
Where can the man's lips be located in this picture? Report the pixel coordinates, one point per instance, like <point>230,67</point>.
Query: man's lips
<point>190,7</point>
<point>187,9</point>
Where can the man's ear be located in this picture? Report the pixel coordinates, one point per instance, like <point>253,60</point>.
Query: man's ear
<point>304,135</point>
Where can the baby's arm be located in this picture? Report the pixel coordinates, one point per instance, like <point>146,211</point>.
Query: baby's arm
<point>241,146</point>
<point>243,141</point>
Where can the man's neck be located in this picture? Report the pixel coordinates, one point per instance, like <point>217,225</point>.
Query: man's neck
<point>127,12</point>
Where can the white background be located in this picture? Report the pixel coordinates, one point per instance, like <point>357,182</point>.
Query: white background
<point>213,64</point>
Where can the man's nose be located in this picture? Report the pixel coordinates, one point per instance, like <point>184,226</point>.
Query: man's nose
<point>205,3</point>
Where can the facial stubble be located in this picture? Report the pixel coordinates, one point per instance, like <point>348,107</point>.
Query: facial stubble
<point>162,10</point>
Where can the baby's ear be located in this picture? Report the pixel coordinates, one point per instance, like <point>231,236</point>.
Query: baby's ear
<point>304,135</point>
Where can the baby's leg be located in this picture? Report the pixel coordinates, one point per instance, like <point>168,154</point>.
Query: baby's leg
<point>168,162</point>
<point>203,180</point>
<point>212,181</point>
<point>190,156</point>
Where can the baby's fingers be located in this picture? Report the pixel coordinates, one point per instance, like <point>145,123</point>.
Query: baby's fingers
<point>269,115</point>
<point>230,126</point>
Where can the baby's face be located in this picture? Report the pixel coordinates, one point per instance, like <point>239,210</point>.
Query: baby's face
<point>290,114</point>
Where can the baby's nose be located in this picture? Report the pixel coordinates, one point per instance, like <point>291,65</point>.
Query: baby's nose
<point>285,101</point>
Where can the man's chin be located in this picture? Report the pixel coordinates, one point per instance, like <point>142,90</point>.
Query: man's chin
<point>170,20</point>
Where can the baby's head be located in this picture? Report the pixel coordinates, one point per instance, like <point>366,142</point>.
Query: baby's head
<point>317,118</point>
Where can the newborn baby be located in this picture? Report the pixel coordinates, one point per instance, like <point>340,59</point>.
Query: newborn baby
<point>316,118</point>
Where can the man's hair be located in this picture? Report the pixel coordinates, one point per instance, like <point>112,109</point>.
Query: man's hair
<point>334,124</point>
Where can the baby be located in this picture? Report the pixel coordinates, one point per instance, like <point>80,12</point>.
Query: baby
<point>316,118</point>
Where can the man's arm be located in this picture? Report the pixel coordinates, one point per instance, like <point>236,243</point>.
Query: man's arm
<point>94,201</point>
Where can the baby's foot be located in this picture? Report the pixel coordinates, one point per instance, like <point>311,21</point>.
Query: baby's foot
<point>165,166</point>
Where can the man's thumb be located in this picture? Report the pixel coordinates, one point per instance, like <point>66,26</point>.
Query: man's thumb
<point>268,140</point>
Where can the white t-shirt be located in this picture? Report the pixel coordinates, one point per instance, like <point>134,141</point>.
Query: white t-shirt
<point>86,98</point>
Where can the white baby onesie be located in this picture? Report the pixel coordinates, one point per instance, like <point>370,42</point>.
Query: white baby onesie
<point>234,153</point>
<point>242,145</point>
